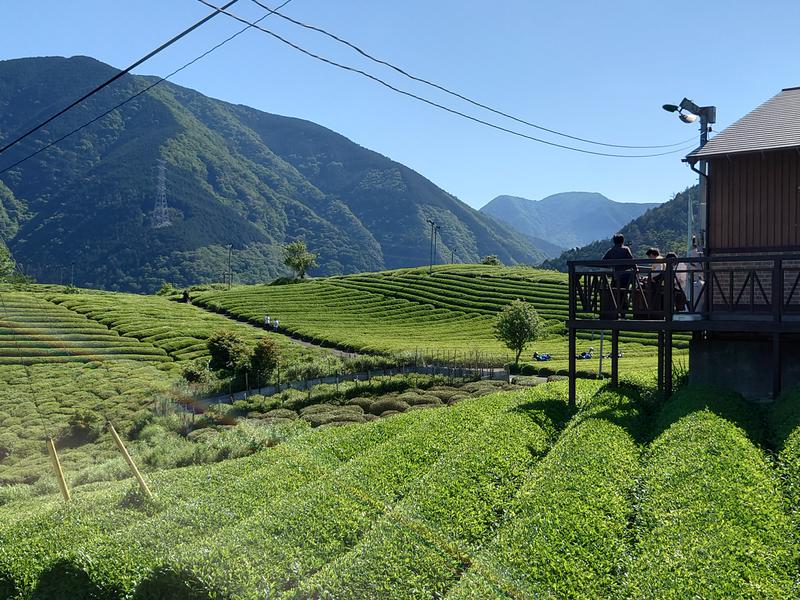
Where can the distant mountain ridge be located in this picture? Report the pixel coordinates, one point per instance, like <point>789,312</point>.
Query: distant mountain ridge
<point>565,220</point>
<point>663,227</point>
<point>235,176</point>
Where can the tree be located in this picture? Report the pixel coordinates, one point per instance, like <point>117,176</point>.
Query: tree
<point>265,358</point>
<point>229,351</point>
<point>297,257</point>
<point>517,324</point>
<point>491,259</point>
<point>7,263</point>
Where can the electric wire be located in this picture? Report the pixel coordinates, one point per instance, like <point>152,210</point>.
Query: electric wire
<point>431,102</point>
<point>137,94</point>
<point>442,88</point>
<point>111,80</point>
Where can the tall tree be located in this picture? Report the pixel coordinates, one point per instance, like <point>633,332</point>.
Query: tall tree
<point>297,257</point>
<point>517,324</point>
<point>7,263</point>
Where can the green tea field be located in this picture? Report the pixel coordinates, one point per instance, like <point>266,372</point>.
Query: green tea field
<point>505,496</point>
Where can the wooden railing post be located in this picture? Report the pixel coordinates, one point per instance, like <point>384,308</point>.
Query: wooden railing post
<point>777,290</point>
<point>573,292</point>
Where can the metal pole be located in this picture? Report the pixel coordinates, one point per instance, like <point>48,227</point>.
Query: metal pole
<point>230,273</point>
<point>72,275</point>
<point>703,184</point>
<point>600,369</point>
<point>62,484</point>
<point>129,460</point>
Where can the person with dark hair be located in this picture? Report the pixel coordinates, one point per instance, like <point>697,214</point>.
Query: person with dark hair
<point>655,253</point>
<point>622,274</point>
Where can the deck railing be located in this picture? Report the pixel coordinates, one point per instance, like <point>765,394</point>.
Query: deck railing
<point>686,288</point>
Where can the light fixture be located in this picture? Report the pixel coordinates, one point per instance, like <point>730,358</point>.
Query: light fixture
<point>687,117</point>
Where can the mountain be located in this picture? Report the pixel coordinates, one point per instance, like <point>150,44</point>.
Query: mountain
<point>234,176</point>
<point>663,227</point>
<point>565,220</point>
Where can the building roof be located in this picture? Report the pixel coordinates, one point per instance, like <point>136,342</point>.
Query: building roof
<point>773,125</point>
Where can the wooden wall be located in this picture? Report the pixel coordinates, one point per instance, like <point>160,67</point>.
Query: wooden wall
<point>754,202</point>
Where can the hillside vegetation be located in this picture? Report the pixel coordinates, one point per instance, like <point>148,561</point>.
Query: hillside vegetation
<point>235,176</point>
<point>505,496</point>
<point>663,227</point>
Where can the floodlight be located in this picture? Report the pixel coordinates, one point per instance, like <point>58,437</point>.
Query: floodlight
<point>670,107</point>
<point>687,117</point>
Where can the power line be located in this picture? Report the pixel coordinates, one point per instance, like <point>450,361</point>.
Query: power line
<point>431,102</point>
<point>457,94</point>
<point>137,94</point>
<point>118,75</point>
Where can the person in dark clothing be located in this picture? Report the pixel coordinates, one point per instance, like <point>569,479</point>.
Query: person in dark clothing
<point>623,275</point>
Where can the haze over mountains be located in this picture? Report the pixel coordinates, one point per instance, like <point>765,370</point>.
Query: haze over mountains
<point>234,176</point>
<point>565,220</point>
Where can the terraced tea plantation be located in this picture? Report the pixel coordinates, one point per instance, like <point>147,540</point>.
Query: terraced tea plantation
<point>504,496</point>
<point>35,331</point>
<point>177,330</point>
<point>409,311</point>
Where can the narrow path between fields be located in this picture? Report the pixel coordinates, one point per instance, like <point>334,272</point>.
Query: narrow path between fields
<point>297,340</point>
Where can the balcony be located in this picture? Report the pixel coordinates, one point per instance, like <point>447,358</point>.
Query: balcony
<point>720,293</point>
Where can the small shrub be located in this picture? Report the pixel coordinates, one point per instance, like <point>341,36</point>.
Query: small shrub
<point>379,407</point>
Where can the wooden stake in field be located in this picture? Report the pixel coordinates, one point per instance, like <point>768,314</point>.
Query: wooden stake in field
<point>129,460</point>
<point>62,484</point>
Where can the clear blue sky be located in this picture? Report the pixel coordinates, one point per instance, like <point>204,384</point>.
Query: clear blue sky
<point>598,70</point>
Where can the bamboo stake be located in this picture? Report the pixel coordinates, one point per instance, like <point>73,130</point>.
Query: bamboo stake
<point>51,449</point>
<point>130,462</point>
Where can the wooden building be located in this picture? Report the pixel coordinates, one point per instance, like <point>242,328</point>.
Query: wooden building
<point>740,300</point>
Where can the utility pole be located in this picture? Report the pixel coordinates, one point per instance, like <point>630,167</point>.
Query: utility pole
<point>435,244</point>
<point>452,255</point>
<point>72,275</point>
<point>433,229</point>
<point>230,273</point>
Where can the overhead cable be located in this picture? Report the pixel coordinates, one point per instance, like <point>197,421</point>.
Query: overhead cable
<point>442,88</point>
<point>426,100</point>
<point>137,94</point>
<point>111,80</point>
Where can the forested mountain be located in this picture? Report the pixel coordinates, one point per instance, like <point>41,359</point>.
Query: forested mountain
<point>234,176</point>
<point>565,220</point>
<point>663,227</point>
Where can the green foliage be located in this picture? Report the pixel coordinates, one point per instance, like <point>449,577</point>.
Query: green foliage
<point>166,289</point>
<point>196,372</point>
<point>711,517</point>
<point>568,535</point>
<point>491,259</point>
<point>229,351</point>
<point>7,264</point>
<point>265,358</point>
<point>517,325</point>
<point>297,257</point>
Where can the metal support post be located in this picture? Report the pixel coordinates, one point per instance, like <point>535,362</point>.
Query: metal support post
<point>615,357</point>
<point>776,365</point>
<point>572,391</point>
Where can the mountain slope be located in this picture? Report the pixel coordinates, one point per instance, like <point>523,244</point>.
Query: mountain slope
<point>663,227</point>
<point>235,176</point>
<point>566,220</point>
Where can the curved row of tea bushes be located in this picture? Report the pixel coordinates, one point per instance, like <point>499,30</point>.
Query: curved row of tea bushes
<point>421,546</point>
<point>566,533</point>
<point>711,517</point>
<point>114,546</point>
<point>288,541</point>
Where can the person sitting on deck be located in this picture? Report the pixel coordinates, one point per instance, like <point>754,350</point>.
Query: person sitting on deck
<point>655,253</point>
<point>623,275</point>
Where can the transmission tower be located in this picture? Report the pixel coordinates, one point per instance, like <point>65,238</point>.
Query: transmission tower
<point>160,214</point>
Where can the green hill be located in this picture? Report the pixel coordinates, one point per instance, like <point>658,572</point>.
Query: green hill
<point>234,175</point>
<point>663,227</point>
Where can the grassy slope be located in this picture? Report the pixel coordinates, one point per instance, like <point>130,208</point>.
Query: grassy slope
<point>426,504</point>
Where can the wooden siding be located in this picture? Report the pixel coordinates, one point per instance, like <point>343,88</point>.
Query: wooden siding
<point>753,202</point>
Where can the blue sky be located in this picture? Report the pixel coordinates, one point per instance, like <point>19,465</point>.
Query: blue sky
<point>598,70</point>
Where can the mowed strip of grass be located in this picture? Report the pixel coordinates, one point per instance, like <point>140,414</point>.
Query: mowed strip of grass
<point>711,519</point>
<point>566,533</point>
